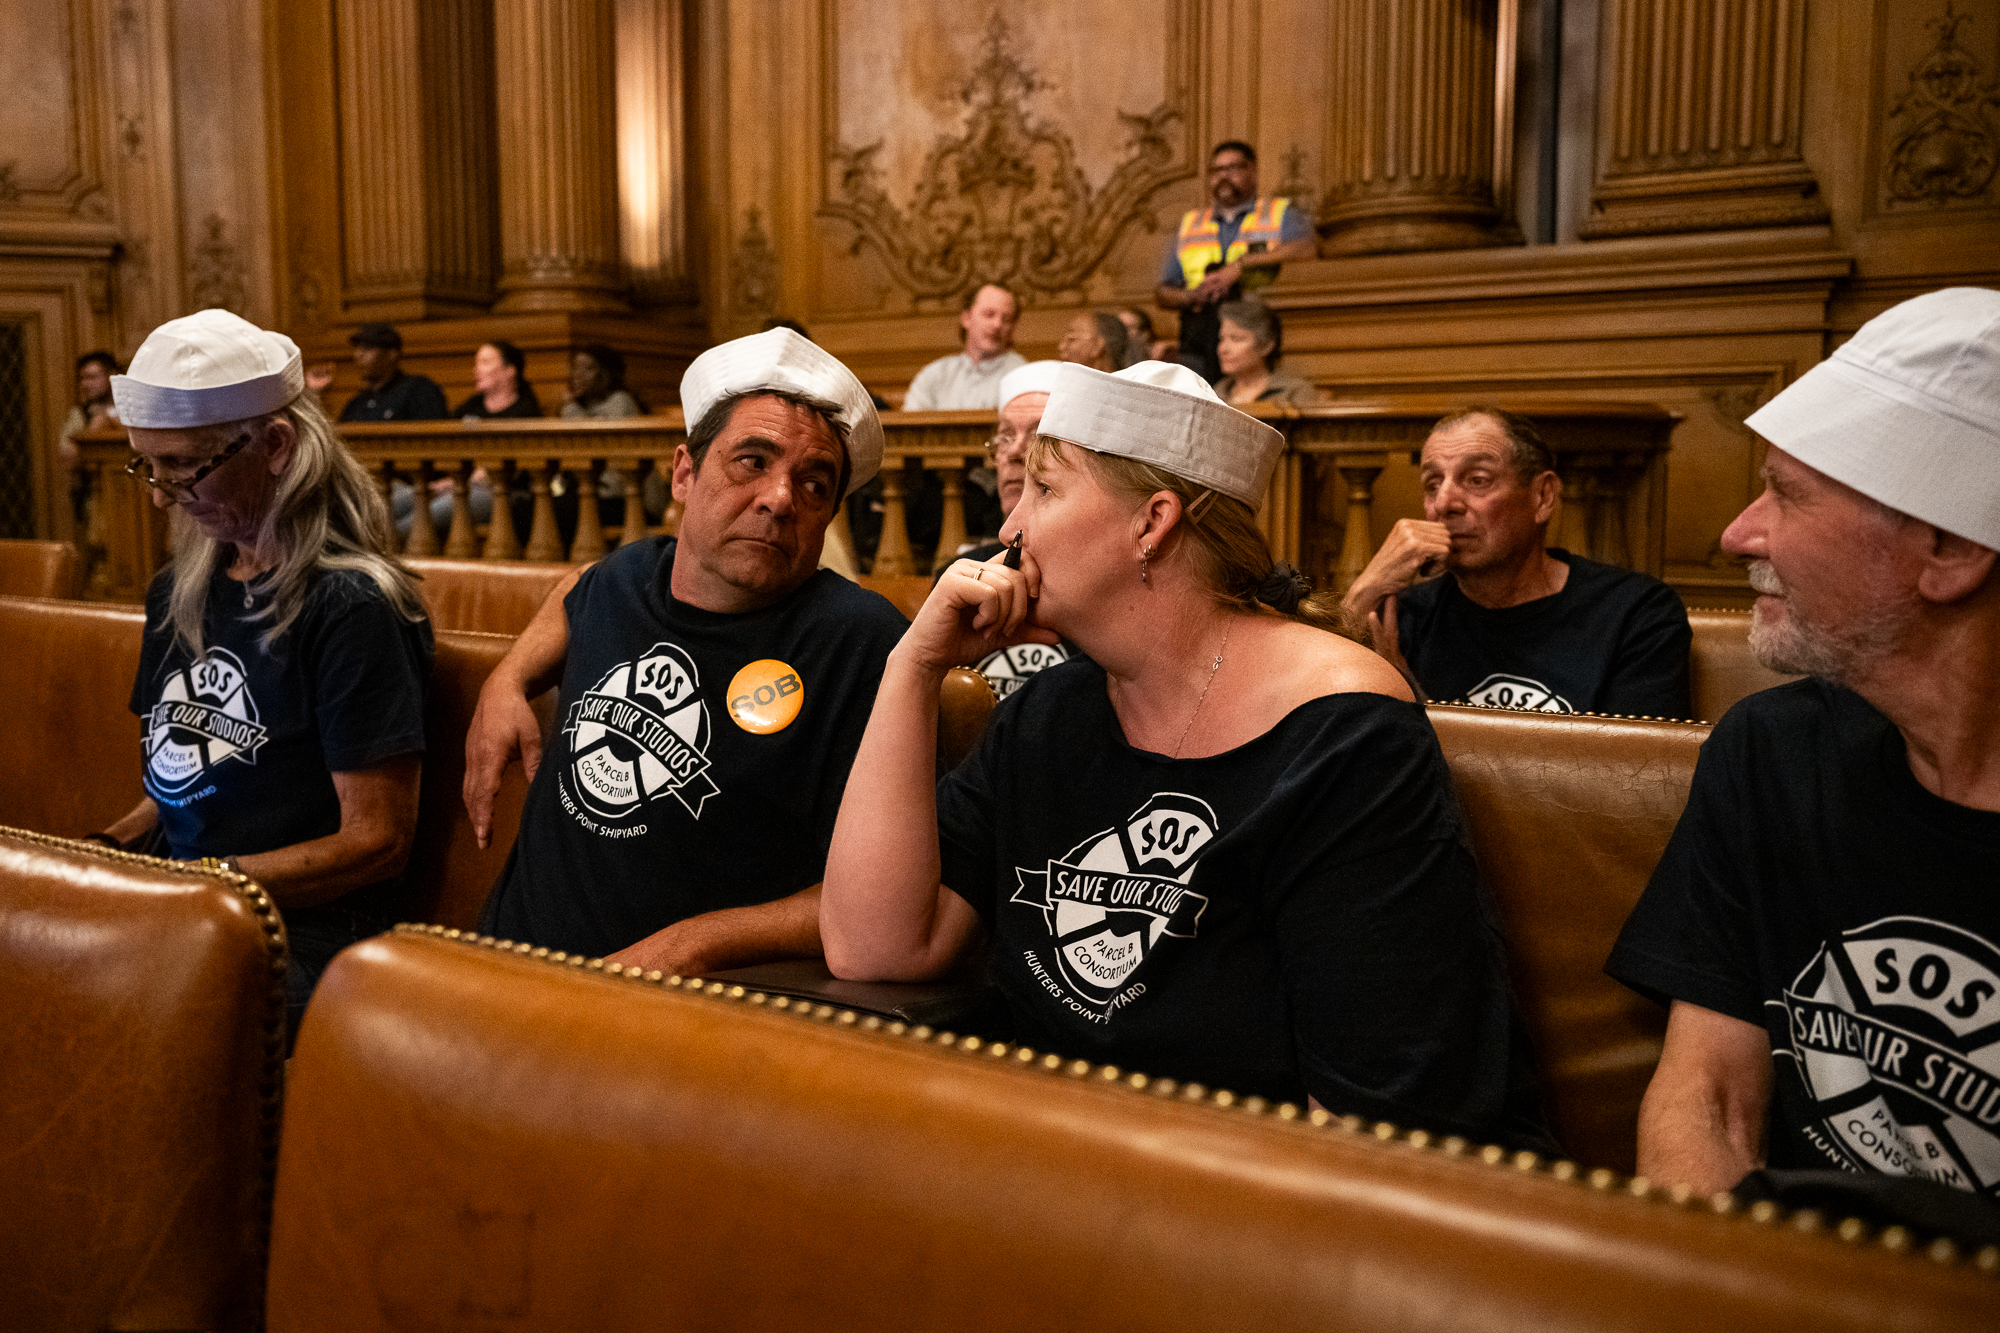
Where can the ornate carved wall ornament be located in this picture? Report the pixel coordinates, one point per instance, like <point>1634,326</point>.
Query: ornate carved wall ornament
<point>1005,200</point>
<point>1945,149</point>
<point>216,273</point>
<point>753,269</point>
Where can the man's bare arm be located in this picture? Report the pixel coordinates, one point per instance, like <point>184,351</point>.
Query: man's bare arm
<point>503,726</point>
<point>734,937</point>
<point>1415,549</point>
<point>1702,1121</point>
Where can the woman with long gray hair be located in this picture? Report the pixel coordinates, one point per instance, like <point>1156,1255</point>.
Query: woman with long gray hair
<point>281,682</point>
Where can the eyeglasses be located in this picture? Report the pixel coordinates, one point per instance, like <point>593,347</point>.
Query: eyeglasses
<point>999,442</point>
<point>178,489</point>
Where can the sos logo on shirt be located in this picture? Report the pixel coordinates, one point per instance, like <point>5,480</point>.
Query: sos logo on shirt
<point>1008,669</point>
<point>204,717</point>
<point>640,733</point>
<point>1895,1031</point>
<point>1114,896</point>
<point>1501,690</point>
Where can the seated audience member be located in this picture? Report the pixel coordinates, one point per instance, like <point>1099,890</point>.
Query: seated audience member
<point>1224,847</point>
<point>1824,922</point>
<point>93,410</point>
<point>286,653</point>
<point>714,689</point>
<point>1096,338</point>
<point>969,381</point>
<point>1023,395</point>
<point>1146,344</point>
<point>500,385</point>
<point>1512,623</point>
<point>387,392</point>
<point>1250,345</point>
<point>597,389</point>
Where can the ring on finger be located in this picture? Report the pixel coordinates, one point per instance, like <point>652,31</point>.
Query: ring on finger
<point>979,574</point>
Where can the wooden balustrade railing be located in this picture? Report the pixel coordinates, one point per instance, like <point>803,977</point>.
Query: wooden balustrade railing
<point>1610,456</point>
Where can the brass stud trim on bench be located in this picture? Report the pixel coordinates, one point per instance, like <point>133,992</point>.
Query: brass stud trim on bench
<point>1607,1183</point>
<point>271,1086</point>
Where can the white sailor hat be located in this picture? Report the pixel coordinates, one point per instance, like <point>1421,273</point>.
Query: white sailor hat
<point>1166,415</point>
<point>1035,377</point>
<point>780,360</point>
<point>206,368</point>
<point>1907,412</point>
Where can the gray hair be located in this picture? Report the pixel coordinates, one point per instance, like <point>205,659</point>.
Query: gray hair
<point>1260,322</point>
<point>327,515</point>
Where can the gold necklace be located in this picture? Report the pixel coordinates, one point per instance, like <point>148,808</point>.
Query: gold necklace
<point>1213,668</point>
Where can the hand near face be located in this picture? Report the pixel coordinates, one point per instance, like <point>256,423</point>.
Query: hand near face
<point>319,376</point>
<point>1414,550</point>
<point>974,610</point>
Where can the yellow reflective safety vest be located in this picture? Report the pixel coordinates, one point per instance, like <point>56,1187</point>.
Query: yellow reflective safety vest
<point>1200,242</point>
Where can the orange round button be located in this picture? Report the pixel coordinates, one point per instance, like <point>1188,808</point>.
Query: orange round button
<point>766,696</point>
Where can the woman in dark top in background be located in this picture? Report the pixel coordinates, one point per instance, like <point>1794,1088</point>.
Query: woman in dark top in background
<point>500,384</point>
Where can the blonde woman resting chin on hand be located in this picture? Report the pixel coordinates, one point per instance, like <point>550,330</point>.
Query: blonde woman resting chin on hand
<point>1223,846</point>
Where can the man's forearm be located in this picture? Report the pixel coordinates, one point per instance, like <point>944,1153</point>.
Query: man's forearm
<point>1693,1136</point>
<point>734,937</point>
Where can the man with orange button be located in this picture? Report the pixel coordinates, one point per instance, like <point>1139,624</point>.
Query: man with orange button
<point>1234,245</point>
<point>714,690</point>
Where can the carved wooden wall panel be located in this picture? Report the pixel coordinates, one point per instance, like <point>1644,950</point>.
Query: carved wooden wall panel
<point>1938,142</point>
<point>1699,118</point>
<point>222,157</point>
<point>417,157</point>
<point>1001,147</point>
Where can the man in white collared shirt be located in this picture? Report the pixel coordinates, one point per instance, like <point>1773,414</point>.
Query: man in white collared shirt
<point>970,380</point>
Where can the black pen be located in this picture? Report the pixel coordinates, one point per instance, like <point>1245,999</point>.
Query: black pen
<point>1013,560</point>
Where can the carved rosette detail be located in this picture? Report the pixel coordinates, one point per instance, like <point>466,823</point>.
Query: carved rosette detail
<point>1945,148</point>
<point>753,269</point>
<point>216,275</point>
<point>1005,200</point>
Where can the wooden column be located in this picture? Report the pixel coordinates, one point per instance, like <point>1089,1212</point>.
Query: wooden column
<point>951,533</point>
<point>554,80</point>
<point>892,551</point>
<point>1418,155</point>
<point>1698,121</point>
<point>416,157</point>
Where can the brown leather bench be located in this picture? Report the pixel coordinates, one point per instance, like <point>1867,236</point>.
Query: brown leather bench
<point>478,1139</point>
<point>73,744</point>
<point>488,596</point>
<point>1568,816</point>
<point>141,1061</point>
<point>39,569</point>
<point>1720,668</point>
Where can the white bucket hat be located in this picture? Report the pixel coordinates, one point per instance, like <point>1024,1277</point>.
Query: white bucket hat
<point>206,368</point>
<point>1907,412</point>
<point>1165,415</point>
<point>779,359</point>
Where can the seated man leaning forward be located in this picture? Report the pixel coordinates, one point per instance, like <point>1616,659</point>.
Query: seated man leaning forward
<point>1514,624</point>
<point>714,689</point>
<point>1223,847</point>
<point>281,681</point>
<point>1825,920</point>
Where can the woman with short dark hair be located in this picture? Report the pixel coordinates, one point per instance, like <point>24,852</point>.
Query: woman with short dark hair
<point>1249,349</point>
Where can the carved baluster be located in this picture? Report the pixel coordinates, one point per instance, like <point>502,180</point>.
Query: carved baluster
<point>951,535</point>
<point>1574,525</point>
<point>544,538</point>
<point>385,486</point>
<point>589,543</point>
<point>1357,546</point>
<point>462,542</point>
<point>840,538</point>
<point>423,533</point>
<point>501,543</point>
<point>892,553</point>
<point>635,501</point>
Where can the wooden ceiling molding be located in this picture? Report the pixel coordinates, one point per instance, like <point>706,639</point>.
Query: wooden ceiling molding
<point>1007,197</point>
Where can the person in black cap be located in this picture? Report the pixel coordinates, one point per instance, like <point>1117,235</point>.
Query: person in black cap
<point>387,394</point>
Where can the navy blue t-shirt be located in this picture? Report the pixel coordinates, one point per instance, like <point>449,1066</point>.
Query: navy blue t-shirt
<point>1298,915</point>
<point>240,743</point>
<point>654,800</point>
<point>1612,641</point>
<point>1815,889</point>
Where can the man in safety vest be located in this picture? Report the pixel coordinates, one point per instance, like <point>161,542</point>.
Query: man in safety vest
<point>1234,245</point>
